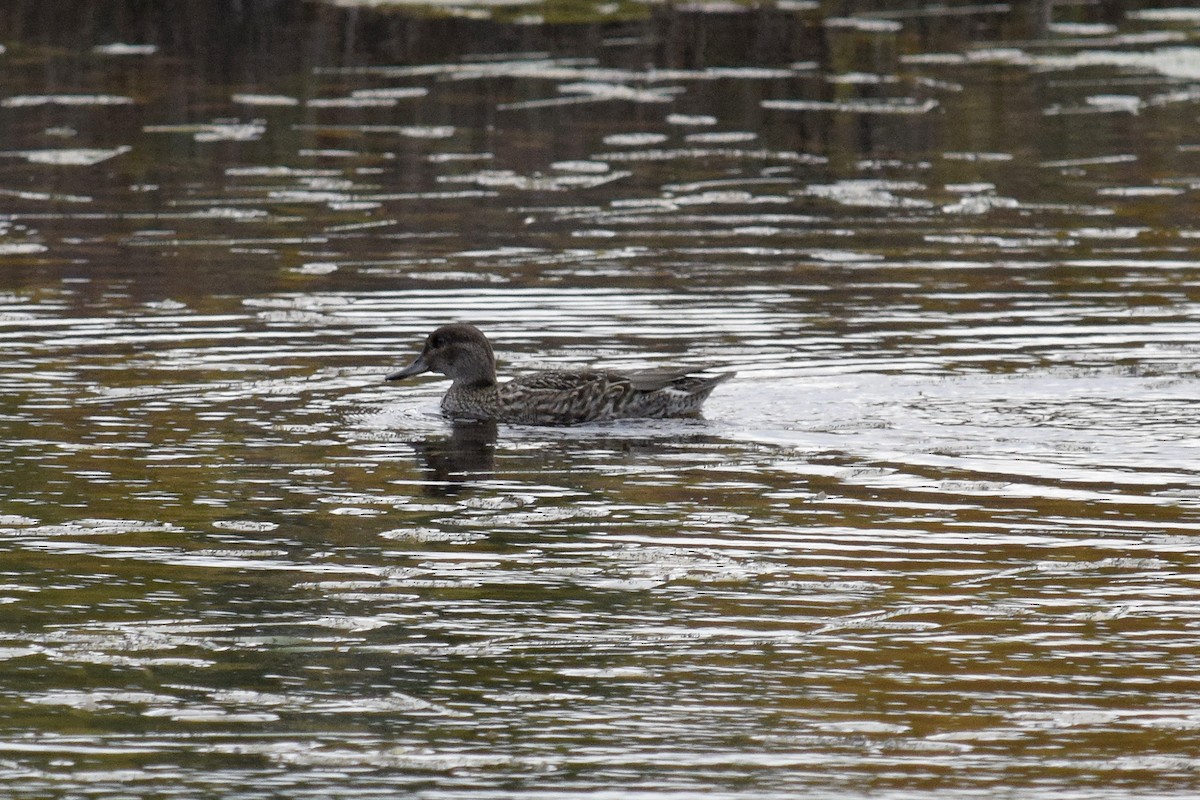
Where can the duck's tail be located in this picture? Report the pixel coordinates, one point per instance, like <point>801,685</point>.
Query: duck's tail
<point>698,387</point>
<point>681,396</point>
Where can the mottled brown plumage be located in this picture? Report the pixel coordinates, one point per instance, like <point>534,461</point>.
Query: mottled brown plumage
<point>462,353</point>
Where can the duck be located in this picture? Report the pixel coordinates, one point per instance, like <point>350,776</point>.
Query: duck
<point>461,352</point>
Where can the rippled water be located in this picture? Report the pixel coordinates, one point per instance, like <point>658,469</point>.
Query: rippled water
<point>939,535</point>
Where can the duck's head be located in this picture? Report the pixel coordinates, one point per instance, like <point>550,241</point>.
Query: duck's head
<point>459,351</point>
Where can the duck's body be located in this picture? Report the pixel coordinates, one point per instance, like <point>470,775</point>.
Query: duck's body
<point>462,352</point>
<point>565,398</point>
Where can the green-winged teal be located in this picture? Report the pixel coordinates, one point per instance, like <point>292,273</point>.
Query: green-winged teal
<point>461,352</point>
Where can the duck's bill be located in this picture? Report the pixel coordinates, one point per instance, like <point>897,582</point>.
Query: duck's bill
<point>415,368</point>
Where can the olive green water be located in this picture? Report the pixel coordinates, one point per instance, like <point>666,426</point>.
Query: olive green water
<point>940,536</point>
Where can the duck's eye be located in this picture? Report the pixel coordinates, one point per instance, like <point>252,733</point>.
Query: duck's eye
<point>436,341</point>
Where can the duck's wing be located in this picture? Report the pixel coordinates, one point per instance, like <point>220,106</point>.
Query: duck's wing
<point>564,398</point>
<point>651,380</point>
<point>558,381</point>
<point>556,397</point>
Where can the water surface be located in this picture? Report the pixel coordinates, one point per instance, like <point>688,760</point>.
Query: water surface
<point>939,536</point>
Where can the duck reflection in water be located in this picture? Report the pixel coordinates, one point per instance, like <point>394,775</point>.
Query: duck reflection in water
<point>455,460</point>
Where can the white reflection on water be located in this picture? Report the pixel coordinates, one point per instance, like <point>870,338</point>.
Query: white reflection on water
<point>26,101</point>
<point>75,157</point>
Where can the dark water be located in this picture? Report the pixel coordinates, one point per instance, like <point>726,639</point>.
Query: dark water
<point>940,535</point>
